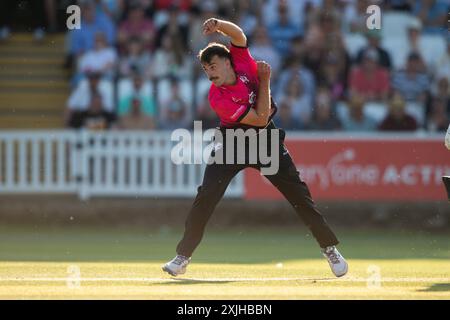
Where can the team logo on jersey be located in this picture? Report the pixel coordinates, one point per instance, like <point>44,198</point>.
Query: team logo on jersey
<point>236,100</point>
<point>244,79</point>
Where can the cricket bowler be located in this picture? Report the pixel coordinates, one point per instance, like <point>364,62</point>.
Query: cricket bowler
<point>240,96</point>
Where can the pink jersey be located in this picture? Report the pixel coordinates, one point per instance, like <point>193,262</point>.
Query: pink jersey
<point>233,102</point>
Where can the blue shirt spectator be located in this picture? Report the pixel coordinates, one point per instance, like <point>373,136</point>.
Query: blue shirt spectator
<point>433,14</point>
<point>283,31</point>
<point>92,22</point>
<point>412,83</point>
<point>296,69</point>
<point>357,120</point>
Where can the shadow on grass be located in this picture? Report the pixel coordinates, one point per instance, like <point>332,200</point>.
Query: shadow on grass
<point>437,287</point>
<point>187,281</point>
<point>184,281</point>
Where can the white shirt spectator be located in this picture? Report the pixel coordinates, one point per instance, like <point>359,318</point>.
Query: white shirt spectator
<point>98,60</point>
<point>442,69</point>
<point>80,98</point>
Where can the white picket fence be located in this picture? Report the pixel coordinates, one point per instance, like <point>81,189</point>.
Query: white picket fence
<point>113,163</point>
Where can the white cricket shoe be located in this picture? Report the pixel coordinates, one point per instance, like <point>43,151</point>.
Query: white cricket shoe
<point>177,265</point>
<point>336,261</point>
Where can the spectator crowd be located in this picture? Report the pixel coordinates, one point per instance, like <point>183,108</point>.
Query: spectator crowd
<point>135,67</point>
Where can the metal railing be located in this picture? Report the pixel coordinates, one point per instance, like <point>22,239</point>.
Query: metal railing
<point>113,163</point>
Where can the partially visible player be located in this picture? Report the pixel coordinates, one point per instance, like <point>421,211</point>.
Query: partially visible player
<point>446,179</point>
<point>240,95</point>
<point>447,138</point>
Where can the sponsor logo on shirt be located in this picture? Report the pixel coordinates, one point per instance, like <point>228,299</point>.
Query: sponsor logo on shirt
<point>244,79</point>
<point>238,112</point>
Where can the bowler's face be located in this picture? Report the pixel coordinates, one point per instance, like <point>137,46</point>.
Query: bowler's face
<point>216,70</point>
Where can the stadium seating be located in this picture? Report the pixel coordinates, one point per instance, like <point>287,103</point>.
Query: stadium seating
<point>395,24</point>
<point>201,88</point>
<point>33,84</point>
<point>431,47</point>
<point>353,43</point>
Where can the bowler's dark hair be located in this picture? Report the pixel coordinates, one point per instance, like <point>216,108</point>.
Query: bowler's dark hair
<point>213,49</point>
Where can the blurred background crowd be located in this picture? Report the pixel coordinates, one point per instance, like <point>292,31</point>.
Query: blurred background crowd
<point>133,63</point>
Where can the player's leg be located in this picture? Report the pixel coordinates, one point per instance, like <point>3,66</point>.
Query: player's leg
<point>288,182</point>
<point>216,179</point>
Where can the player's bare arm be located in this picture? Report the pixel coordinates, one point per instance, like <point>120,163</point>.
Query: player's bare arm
<point>227,28</point>
<point>260,115</point>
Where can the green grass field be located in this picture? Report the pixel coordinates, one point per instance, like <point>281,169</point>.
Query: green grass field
<point>124,263</point>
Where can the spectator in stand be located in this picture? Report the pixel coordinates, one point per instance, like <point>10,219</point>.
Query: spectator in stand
<point>313,55</point>
<point>324,119</point>
<point>81,97</point>
<point>96,117</point>
<point>200,13</point>
<point>173,28</point>
<point>335,51</point>
<point>102,59</point>
<point>285,118</point>
<point>170,60</point>
<point>330,7</point>
<point>397,119</point>
<point>174,111</point>
<point>370,80</point>
<point>355,17</point>
<point>262,49</point>
<point>413,82</point>
<point>148,6</point>
<point>320,29</point>
<point>439,118</point>
<point>298,11</point>
<point>136,59</point>
<point>138,93</point>
<point>112,8</point>
<point>440,91</point>
<point>414,34</point>
<point>136,119</point>
<point>167,4</point>
<point>433,15</point>
<point>298,101</point>
<point>322,37</point>
<point>331,76</point>
<point>137,25</point>
<point>357,119</point>
<point>206,114</point>
<point>373,43</point>
<point>399,5</point>
<point>442,67</point>
<point>296,69</point>
<point>297,49</point>
<point>93,22</point>
<point>245,18</point>
<point>283,31</point>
